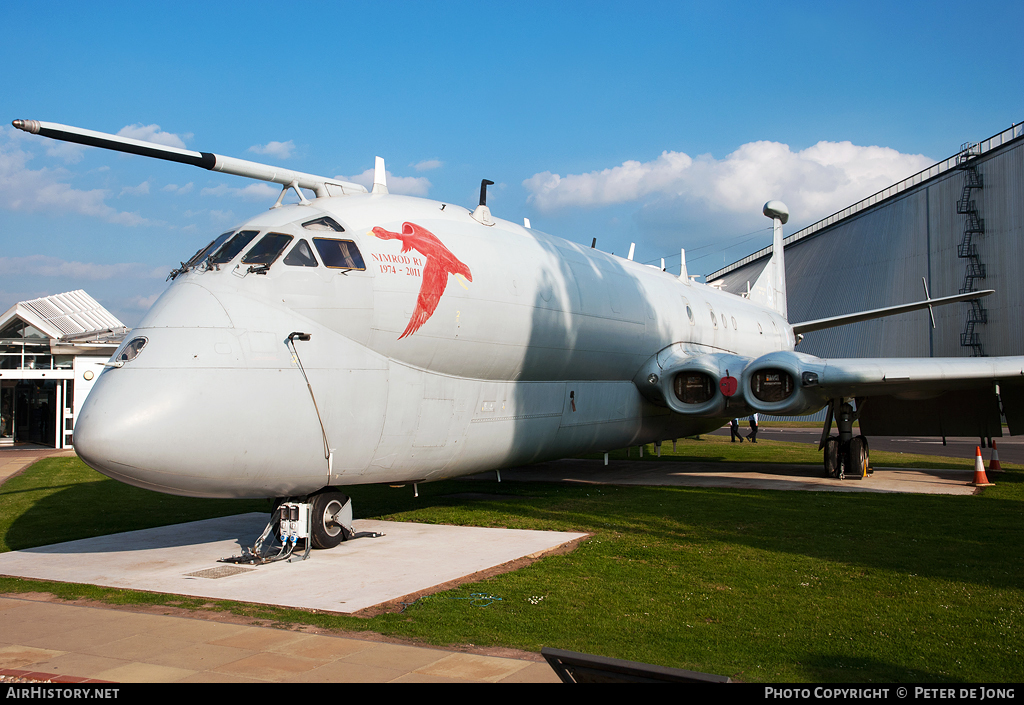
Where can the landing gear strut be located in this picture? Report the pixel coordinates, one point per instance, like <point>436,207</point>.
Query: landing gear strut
<point>320,520</point>
<point>846,455</point>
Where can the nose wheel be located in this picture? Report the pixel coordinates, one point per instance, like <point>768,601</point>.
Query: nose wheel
<point>331,520</point>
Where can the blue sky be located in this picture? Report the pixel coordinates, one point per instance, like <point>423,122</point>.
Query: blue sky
<point>664,124</point>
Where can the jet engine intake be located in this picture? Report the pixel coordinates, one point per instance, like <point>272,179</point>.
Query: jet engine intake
<point>784,384</point>
<point>688,382</point>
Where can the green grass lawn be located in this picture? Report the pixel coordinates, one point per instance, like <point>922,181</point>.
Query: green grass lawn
<point>709,447</point>
<point>765,586</point>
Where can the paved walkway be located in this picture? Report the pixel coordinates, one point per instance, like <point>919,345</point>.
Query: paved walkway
<point>45,640</point>
<point>14,459</point>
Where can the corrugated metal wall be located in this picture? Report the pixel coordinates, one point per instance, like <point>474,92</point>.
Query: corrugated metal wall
<point>878,257</point>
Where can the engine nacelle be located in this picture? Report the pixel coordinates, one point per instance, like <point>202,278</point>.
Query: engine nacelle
<point>784,383</point>
<point>688,382</point>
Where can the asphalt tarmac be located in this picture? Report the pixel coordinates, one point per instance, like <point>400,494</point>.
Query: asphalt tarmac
<point>1011,448</point>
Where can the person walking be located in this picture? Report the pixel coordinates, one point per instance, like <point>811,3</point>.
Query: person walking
<point>734,428</point>
<point>752,436</point>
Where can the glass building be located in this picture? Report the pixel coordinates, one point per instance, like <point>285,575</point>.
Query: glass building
<point>51,351</point>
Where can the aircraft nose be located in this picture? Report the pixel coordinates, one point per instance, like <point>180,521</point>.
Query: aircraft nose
<point>198,432</point>
<point>124,428</point>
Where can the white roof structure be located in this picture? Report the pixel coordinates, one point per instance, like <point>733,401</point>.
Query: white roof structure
<point>70,316</point>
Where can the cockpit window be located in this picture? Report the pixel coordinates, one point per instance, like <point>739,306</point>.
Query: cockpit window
<point>267,250</point>
<point>324,223</point>
<point>232,247</point>
<point>339,254</point>
<point>202,254</point>
<point>301,256</point>
<point>130,351</point>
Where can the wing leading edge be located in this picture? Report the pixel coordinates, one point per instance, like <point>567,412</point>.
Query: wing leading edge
<point>924,396</point>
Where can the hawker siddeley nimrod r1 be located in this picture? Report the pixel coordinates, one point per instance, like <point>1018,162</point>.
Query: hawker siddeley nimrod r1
<point>368,337</point>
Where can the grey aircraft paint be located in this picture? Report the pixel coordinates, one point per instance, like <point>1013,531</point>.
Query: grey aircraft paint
<point>423,341</point>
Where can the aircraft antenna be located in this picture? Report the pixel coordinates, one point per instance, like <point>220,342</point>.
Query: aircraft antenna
<point>380,177</point>
<point>484,183</point>
<point>482,214</point>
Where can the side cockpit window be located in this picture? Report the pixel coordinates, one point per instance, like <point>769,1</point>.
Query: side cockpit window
<point>324,223</point>
<point>231,248</point>
<point>199,257</point>
<point>301,256</point>
<point>267,250</point>
<point>339,254</point>
<point>205,252</point>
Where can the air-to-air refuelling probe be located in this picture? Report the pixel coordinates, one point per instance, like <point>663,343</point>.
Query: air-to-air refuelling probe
<point>364,337</point>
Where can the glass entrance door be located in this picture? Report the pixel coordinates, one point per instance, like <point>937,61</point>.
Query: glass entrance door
<point>7,414</point>
<point>35,402</point>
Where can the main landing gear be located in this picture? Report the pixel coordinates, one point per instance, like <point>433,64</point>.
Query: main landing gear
<point>320,520</point>
<point>846,455</point>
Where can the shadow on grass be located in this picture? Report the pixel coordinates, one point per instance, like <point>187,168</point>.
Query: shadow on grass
<point>60,499</point>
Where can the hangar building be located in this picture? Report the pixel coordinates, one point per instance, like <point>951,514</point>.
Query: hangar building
<point>958,225</point>
<point>51,351</point>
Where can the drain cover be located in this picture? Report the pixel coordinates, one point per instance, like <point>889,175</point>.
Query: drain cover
<point>219,572</point>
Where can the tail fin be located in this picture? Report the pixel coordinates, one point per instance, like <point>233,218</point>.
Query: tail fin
<point>770,288</point>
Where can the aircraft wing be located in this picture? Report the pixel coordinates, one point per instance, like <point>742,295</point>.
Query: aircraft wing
<point>898,396</point>
<point>822,323</point>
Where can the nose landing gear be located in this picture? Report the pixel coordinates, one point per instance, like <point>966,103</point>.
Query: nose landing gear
<point>320,520</point>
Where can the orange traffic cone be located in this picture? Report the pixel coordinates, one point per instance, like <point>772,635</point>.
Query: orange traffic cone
<point>980,479</point>
<point>994,465</point>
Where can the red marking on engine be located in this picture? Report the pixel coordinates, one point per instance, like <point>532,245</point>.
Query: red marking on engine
<point>728,385</point>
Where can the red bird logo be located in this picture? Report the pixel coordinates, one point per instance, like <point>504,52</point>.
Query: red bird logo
<point>440,263</point>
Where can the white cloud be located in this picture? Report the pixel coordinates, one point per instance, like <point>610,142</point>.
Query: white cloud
<point>46,190</point>
<point>427,165</point>
<point>152,133</point>
<point>180,190</point>
<point>69,152</point>
<point>281,150</point>
<point>222,216</point>
<point>403,185</point>
<point>253,192</point>
<point>45,266</point>
<point>139,190</point>
<point>142,303</point>
<point>813,182</point>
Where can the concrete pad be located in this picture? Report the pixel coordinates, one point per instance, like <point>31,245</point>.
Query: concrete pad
<point>358,574</point>
<point>761,476</point>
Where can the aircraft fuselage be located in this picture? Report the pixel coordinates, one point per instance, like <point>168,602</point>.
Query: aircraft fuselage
<point>457,348</point>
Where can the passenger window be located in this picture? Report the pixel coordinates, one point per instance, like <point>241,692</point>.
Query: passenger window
<point>267,250</point>
<point>232,247</point>
<point>301,256</point>
<point>339,254</point>
<point>689,311</point>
